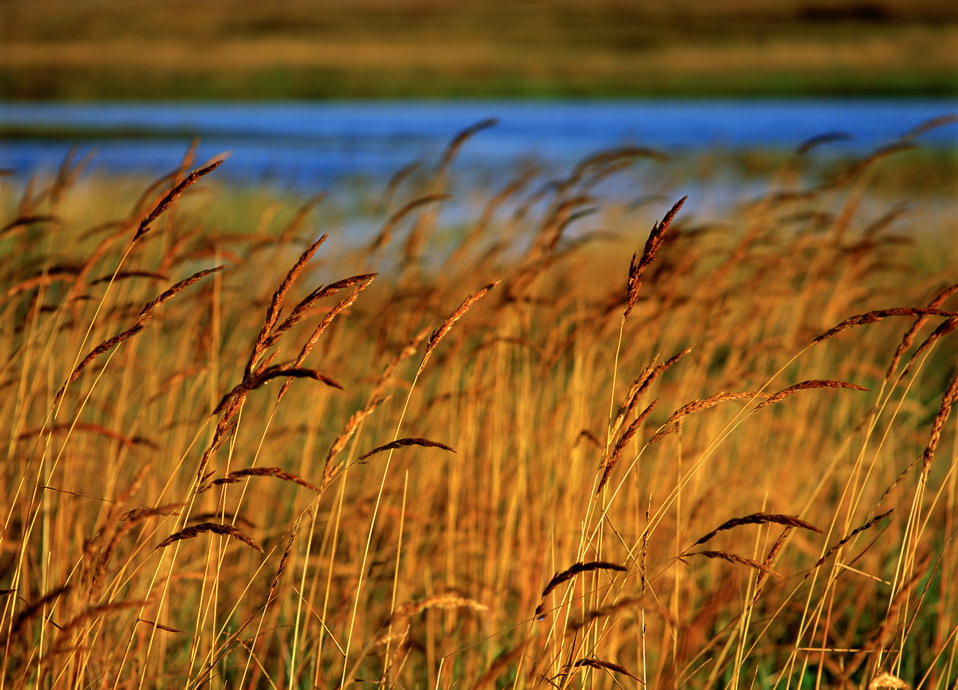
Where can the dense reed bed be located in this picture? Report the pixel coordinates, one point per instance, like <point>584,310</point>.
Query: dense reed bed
<point>492,452</point>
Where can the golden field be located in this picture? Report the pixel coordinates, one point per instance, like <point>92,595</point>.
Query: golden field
<point>387,49</point>
<point>565,439</point>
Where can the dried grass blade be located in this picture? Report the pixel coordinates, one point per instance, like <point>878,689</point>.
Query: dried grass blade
<point>944,329</point>
<point>101,610</point>
<point>35,608</point>
<point>447,600</point>
<point>352,424</point>
<point>453,148</point>
<point>671,424</point>
<point>300,310</point>
<point>769,559</point>
<point>158,626</point>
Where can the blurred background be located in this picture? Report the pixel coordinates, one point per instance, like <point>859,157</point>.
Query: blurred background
<point>306,93</point>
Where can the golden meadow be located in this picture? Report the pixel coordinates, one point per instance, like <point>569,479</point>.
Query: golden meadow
<point>565,439</point>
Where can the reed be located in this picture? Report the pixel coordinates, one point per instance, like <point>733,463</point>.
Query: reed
<point>604,413</point>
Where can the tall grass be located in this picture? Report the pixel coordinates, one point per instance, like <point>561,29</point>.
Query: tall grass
<point>500,456</point>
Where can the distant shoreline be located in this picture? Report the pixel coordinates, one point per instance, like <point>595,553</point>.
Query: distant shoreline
<point>239,50</point>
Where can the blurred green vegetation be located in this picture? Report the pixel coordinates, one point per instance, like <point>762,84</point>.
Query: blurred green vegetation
<point>307,49</point>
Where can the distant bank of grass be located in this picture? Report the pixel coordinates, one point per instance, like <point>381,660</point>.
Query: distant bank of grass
<point>218,49</point>
<point>668,471</point>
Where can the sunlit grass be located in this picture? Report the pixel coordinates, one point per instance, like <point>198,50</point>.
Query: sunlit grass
<point>127,561</point>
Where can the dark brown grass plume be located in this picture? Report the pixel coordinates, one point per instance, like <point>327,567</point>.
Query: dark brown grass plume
<point>621,444</point>
<point>403,443</point>
<point>909,337</point>
<point>595,662</point>
<point>848,537</point>
<point>571,572</point>
<point>213,528</point>
<point>878,315</point>
<point>758,519</point>
<point>806,385</point>
<point>276,303</point>
<point>146,313</point>
<point>735,558</point>
<point>652,246</point>
<point>266,375</point>
<point>944,410</point>
<point>278,472</point>
<point>172,196</point>
<point>447,325</point>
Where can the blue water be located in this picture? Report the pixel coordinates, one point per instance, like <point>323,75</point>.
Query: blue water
<point>314,144</point>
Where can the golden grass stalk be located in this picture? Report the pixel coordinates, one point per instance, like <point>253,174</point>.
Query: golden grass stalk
<point>803,386</point>
<point>97,611</point>
<point>403,443</point>
<point>847,538</point>
<point>276,303</point>
<point>947,400</point>
<point>172,196</point>
<point>770,560</point>
<point>210,527</point>
<point>878,315</point>
<point>909,337</point>
<point>758,519</point>
<point>264,376</point>
<point>671,425</point>
<point>447,325</point>
<point>300,311</point>
<point>930,124</point>
<point>457,142</point>
<point>645,603</point>
<point>595,662</point>
<point>735,558</point>
<point>943,329</point>
<point>278,472</point>
<point>652,246</point>
<point>146,313</point>
<point>89,427</point>
<point>446,600</point>
<point>158,626</point>
<point>386,232</point>
<point>571,572</point>
<point>621,443</point>
<point>352,424</point>
<point>885,633</point>
<point>362,283</point>
<point>32,610</point>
